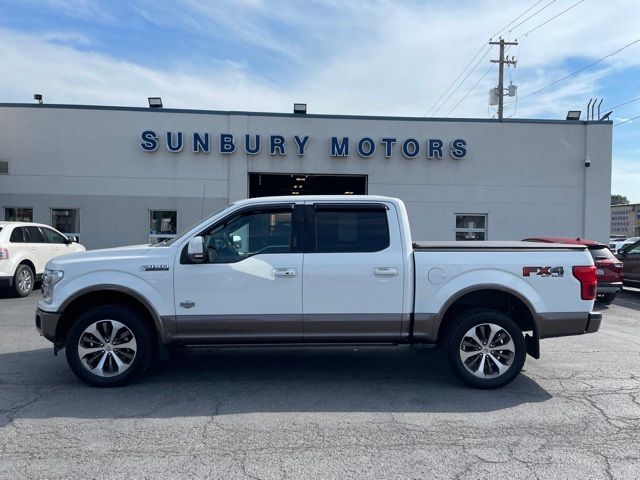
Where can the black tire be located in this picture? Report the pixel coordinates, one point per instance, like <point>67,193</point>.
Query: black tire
<point>606,298</point>
<point>23,281</point>
<point>480,318</point>
<point>102,317</point>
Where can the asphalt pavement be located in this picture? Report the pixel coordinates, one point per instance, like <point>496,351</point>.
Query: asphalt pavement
<point>330,413</point>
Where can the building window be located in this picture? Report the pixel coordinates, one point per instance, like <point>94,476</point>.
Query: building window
<point>18,214</point>
<point>162,225</point>
<point>67,221</point>
<point>471,226</point>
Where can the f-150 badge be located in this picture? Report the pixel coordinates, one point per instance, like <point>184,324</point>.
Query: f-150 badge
<point>154,268</point>
<point>543,271</point>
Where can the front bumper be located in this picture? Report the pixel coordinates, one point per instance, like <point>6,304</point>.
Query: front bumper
<point>47,324</point>
<point>612,287</point>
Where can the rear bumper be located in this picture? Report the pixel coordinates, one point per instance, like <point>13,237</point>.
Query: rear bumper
<point>6,282</point>
<point>595,319</point>
<point>612,287</point>
<point>564,324</point>
<point>47,324</point>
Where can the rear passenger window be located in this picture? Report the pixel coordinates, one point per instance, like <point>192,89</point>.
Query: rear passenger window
<point>17,236</point>
<point>351,230</point>
<point>35,235</point>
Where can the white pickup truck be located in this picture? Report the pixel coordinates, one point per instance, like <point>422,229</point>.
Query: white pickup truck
<point>315,270</point>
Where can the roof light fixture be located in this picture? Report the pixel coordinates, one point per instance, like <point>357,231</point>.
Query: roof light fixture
<point>155,102</point>
<point>574,114</point>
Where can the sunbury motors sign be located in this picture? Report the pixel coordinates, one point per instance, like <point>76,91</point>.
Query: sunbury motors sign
<point>339,146</point>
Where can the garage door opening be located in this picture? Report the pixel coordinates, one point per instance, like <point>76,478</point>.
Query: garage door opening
<point>268,184</point>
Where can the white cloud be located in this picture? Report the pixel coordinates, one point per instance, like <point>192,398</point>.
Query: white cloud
<point>359,57</point>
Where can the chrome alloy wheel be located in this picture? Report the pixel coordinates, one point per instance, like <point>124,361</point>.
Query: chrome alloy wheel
<point>107,348</point>
<point>487,350</point>
<point>25,280</point>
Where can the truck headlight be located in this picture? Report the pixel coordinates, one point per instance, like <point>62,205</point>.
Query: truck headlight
<point>49,280</point>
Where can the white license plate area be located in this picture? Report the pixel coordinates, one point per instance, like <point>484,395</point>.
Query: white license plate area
<point>599,271</point>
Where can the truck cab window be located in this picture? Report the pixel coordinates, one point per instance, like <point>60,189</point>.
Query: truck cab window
<point>351,230</point>
<point>249,234</point>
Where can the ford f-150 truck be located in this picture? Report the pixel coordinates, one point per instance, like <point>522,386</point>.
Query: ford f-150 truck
<point>315,270</point>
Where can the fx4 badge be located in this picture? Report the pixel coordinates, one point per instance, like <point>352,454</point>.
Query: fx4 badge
<point>154,268</point>
<point>543,271</point>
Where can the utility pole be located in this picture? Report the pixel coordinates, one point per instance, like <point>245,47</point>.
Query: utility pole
<point>501,64</point>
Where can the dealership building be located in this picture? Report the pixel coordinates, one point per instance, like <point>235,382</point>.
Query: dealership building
<point>118,175</point>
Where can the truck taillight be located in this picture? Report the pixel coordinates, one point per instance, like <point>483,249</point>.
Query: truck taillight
<point>4,253</point>
<point>588,282</point>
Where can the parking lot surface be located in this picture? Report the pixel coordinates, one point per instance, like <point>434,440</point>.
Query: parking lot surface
<point>331,413</point>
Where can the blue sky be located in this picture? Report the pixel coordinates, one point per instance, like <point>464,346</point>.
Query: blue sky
<point>265,55</point>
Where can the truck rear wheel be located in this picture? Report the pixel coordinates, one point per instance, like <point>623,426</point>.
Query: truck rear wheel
<point>109,346</point>
<point>485,348</point>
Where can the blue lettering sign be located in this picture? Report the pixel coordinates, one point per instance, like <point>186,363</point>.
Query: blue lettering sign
<point>247,145</point>
<point>301,143</point>
<point>435,148</point>
<point>459,149</point>
<point>226,143</point>
<point>410,148</point>
<point>388,143</point>
<point>200,143</point>
<point>366,147</point>
<point>277,143</point>
<point>177,146</point>
<point>340,148</point>
<point>149,141</point>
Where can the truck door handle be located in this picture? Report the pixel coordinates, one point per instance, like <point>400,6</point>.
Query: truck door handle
<point>284,272</point>
<point>385,271</point>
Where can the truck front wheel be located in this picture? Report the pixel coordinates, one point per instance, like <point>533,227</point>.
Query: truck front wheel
<point>109,345</point>
<point>485,348</point>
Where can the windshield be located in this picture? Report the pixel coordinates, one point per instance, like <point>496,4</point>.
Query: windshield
<point>169,241</point>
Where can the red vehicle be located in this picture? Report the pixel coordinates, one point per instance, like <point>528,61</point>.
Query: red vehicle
<point>609,269</point>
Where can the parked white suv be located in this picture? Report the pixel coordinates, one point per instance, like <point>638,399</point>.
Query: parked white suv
<point>25,248</point>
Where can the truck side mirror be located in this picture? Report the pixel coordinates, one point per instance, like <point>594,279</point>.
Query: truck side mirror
<point>195,250</point>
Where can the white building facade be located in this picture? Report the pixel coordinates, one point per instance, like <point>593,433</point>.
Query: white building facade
<point>117,175</point>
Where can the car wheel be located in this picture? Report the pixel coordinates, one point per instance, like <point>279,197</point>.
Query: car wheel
<point>23,281</point>
<point>485,348</point>
<point>109,346</point>
<point>606,298</point>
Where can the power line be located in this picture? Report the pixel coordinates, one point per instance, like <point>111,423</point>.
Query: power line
<point>454,82</point>
<point>463,80</point>
<point>621,104</point>
<point>470,90</point>
<point>515,19</point>
<point>626,121</point>
<point>581,69</point>
<point>475,56</point>
<point>532,15</point>
<point>553,18</point>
